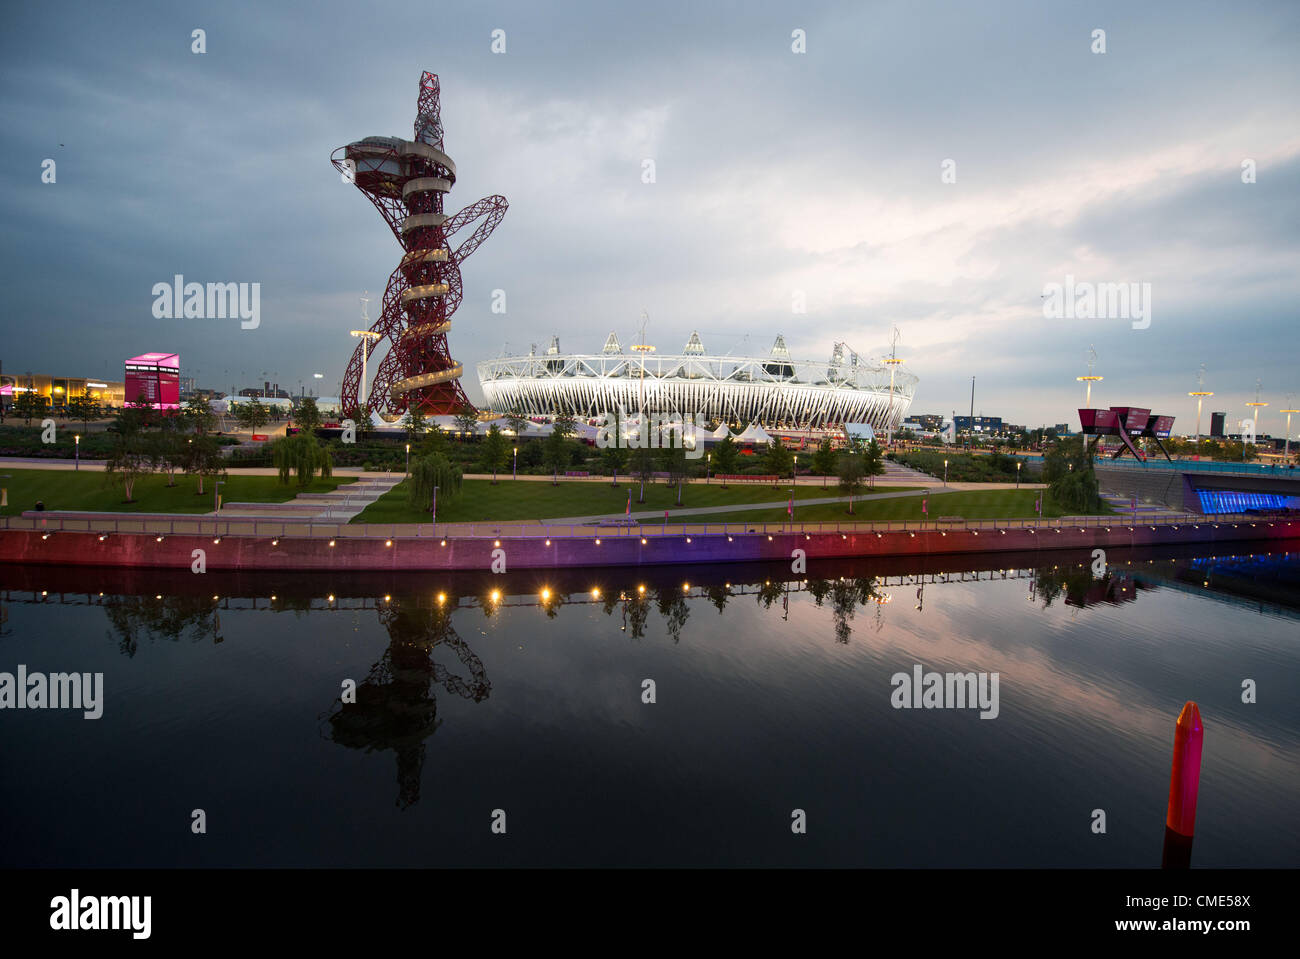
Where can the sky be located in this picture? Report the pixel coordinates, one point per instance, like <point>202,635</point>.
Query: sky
<point>929,167</point>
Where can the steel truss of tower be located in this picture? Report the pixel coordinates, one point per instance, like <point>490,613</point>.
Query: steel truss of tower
<point>407,181</point>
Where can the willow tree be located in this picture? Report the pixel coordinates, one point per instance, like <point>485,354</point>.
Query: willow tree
<point>429,473</point>
<point>303,456</point>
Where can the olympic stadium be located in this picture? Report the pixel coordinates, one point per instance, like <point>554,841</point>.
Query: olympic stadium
<point>774,391</point>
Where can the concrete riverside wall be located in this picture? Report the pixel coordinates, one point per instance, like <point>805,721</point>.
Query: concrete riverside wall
<point>533,552</point>
<point>1166,487</point>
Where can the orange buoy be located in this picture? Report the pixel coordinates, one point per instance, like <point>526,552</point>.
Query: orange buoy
<point>1185,779</point>
<point>1184,782</point>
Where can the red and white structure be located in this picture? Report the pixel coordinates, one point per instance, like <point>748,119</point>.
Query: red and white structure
<point>407,181</point>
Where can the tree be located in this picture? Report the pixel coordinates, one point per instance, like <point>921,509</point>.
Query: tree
<point>674,462</point>
<point>516,420</point>
<point>725,456</point>
<point>873,462</point>
<point>257,414</point>
<point>495,451</point>
<point>434,441</point>
<point>84,408</point>
<point>416,422</point>
<point>778,460</point>
<point>466,420</point>
<point>823,463</point>
<point>167,448</point>
<point>1069,475</point>
<point>852,470</point>
<point>642,465</point>
<point>564,424</point>
<point>307,416</point>
<point>28,404</point>
<point>198,415</point>
<point>557,451</point>
<point>301,454</point>
<point>129,457</point>
<point>203,458</point>
<point>431,473</point>
<point>555,454</point>
<point>614,459</point>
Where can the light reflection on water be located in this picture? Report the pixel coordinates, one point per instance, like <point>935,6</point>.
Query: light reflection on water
<point>772,693</point>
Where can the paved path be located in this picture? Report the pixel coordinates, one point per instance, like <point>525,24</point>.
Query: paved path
<point>338,506</point>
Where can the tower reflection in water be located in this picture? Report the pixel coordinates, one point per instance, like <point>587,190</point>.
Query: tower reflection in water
<point>396,705</point>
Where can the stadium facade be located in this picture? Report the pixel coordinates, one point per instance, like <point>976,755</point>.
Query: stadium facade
<point>774,391</point>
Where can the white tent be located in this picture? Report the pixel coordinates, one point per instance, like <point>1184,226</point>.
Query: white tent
<point>721,433</point>
<point>754,434</point>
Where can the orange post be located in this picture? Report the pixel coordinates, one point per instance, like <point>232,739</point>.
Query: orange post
<point>1184,783</point>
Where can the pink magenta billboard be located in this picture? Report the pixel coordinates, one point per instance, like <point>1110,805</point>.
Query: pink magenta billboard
<point>157,378</point>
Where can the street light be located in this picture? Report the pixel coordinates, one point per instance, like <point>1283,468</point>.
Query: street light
<point>1018,465</point>
<point>77,437</point>
<point>515,468</point>
<point>945,472</point>
<point>1200,398</point>
<point>1286,447</point>
<point>708,466</point>
<point>366,337</point>
<point>408,459</point>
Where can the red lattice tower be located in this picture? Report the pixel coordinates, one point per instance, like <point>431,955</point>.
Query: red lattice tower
<point>407,180</point>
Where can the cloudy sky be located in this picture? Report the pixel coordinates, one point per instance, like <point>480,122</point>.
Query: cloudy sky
<point>778,175</point>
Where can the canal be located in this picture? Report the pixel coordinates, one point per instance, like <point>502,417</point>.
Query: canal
<point>719,716</point>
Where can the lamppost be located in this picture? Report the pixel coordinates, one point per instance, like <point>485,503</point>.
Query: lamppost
<point>435,510</point>
<point>77,437</point>
<point>1255,409</point>
<point>1018,465</point>
<point>1200,398</point>
<point>945,472</point>
<point>892,362</point>
<point>1286,446</point>
<point>515,469</point>
<point>794,474</point>
<point>708,466</point>
<point>366,337</point>
<point>408,459</point>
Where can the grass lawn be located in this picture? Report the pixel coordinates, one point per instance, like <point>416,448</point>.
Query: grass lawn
<point>91,490</point>
<point>975,504</point>
<point>522,500</point>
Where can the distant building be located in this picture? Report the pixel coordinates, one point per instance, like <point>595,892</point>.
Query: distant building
<point>1216,424</point>
<point>1062,429</point>
<point>59,389</point>
<point>978,424</point>
<point>929,421</point>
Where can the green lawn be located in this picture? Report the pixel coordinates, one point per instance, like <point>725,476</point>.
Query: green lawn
<point>976,504</point>
<point>91,490</point>
<point>522,500</point>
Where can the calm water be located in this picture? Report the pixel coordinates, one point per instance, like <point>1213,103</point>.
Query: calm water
<point>772,693</point>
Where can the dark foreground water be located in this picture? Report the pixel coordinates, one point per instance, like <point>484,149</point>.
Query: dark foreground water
<point>772,694</point>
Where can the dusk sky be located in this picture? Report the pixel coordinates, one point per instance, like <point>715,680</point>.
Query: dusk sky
<point>777,174</point>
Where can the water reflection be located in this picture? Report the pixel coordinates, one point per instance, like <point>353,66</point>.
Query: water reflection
<point>773,677</point>
<point>395,707</point>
